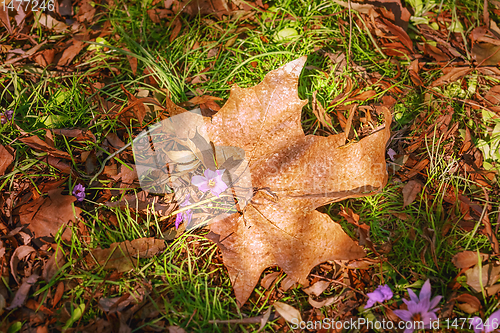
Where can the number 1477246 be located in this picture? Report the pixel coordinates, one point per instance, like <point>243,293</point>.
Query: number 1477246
<point>34,5</point>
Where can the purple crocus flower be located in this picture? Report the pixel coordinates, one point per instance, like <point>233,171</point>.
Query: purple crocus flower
<point>185,215</point>
<point>381,294</point>
<point>420,309</point>
<point>212,181</point>
<point>7,116</point>
<point>491,324</point>
<point>79,192</point>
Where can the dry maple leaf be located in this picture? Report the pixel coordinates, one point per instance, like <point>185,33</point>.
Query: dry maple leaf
<point>293,174</point>
<point>284,177</point>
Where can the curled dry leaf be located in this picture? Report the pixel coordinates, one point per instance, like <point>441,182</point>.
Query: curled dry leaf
<point>123,256</point>
<point>410,191</point>
<point>268,279</point>
<point>288,312</point>
<point>317,288</point>
<point>320,112</point>
<point>326,302</point>
<point>46,215</point>
<point>467,259</point>
<point>468,303</point>
<point>19,254</point>
<point>22,292</point>
<point>6,158</point>
<point>294,174</point>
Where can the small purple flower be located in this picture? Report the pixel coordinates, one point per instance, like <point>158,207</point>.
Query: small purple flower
<point>391,153</point>
<point>491,324</point>
<point>381,294</point>
<point>7,116</point>
<point>185,215</point>
<point>79,192</point>
<point>419,309</point>
<point>212,181</point>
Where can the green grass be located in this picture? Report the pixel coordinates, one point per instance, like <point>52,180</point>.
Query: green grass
<point>187,285</point>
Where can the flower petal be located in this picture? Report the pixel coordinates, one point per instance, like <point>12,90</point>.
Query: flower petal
<point>425,292</point>
<point>219,187</point>
<point>199,180</point>
<point>403,314</point>
<point>386,291</point>
<point>434,302</point>
<point>413,296</point>
<point>209,174</point>
<point>178,220</point>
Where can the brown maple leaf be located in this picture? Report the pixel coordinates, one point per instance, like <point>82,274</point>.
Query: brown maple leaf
<point>292,174</point>
<point>276,175</point>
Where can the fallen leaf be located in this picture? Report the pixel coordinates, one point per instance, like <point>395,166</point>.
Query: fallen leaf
<point>6,159</point>
<point>485,276</point>
<point>177,25</point>
<point>46,215</point>
<point>467,259</point>
<point>36,143</point>
<point>453,75</point>
<point>203,7</point>
<point>19,254</point>
<point>493,95</point>
<point>410,191</point>
<point>70,53</point>
<point>87,11</point>
<point>158,14</point>
<point>76,133</point>
<point>320,112</point>
<point>22,292</point>
<point>45,57</point>
<point>317,288</point>
<point>288,312</point>
<point>175,329</point>
<point>4,18</point>
<point>50,23</point>
<point>468,303</point>
<point>123,256</point>
<point>268,279</point>
<point>284,177</point>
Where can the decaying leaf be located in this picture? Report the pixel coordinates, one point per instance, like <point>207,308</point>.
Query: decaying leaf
<point>6,158</point>
<point>277,176</point>
<point>320,112</point>
<point>467,259</point>
<point>288,312</point>
<point>123,256</point>
<point>19,254</point>
<point>317,288</point>
<point>468,303</point>
<point>22,292</point>
<point>484,276</point>
<point>46,215</point>
<point>410,191</point>
<point>36,143</point>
